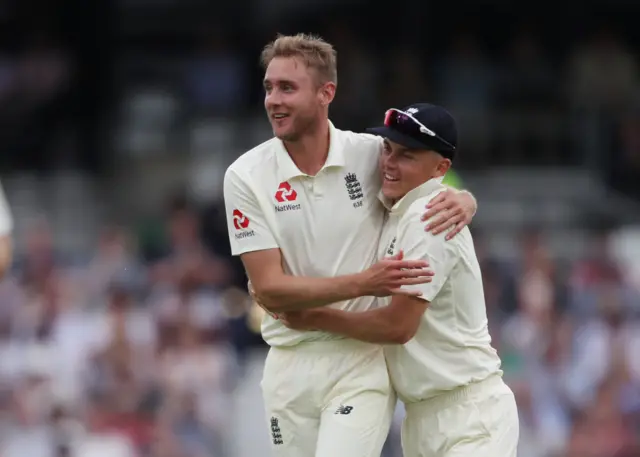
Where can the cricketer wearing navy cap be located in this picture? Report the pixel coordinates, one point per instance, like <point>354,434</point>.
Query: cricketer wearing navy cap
<point>421,126</point>
<point>420,143</point>
<point>437,345</point>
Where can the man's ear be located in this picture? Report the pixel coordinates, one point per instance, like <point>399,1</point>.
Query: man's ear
<point>443,166</point>
<point>327,93</point>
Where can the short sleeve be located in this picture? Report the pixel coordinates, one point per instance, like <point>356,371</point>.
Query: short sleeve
<point>6,221</point>
<point>246,222</point>
<point>417,244</point>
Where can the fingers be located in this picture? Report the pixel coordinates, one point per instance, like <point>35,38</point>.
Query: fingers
<point>414,273</point>
<point>408,264</point>
<point>437,199</point>
<point>400,290</point>
<point>436,209</point>
<point>413,281</point>
<point>442,201</point>
<point>447,205</point>
<point>459,226</point>
<point>447,221</point>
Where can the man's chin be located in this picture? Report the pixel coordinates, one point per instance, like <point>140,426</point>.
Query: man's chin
<point>285,136</point>
<point>392,194</point>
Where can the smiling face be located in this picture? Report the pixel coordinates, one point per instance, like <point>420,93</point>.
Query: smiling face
<point>295,100</point>
<point>404,169</point>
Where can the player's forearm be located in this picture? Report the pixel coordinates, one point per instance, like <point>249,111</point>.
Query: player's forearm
<point>375,326</point>
<point>295,293</point>
<point>6,254</point>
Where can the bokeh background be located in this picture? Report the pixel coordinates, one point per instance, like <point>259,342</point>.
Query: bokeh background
<point>125,330</point>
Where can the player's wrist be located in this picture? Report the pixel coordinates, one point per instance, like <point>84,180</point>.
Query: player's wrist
<point>360,284</point>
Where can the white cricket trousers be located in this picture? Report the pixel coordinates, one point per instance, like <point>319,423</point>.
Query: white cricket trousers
<point>479,420</point>
<point>327,399</point>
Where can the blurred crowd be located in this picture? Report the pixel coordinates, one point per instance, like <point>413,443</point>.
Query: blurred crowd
<point>126,354</point>
<point>569,336</point>
<point>139,353</point>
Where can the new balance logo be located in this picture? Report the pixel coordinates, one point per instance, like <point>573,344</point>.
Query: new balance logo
<point>285,193</point>
<point>344,410</point>
<point>275,432</point>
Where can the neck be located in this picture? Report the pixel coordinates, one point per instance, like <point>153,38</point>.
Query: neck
<point>310,152</point>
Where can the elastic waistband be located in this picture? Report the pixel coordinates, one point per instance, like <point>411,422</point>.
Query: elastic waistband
<point>444,399</point>
<point>328,346</point>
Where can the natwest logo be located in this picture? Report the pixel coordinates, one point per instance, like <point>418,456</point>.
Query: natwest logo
<point>240,221</point>
<point>285,193</point>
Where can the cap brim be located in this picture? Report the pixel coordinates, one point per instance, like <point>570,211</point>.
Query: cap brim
<point>397,137</point>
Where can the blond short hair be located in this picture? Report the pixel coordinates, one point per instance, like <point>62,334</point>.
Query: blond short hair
<point>312,50</point>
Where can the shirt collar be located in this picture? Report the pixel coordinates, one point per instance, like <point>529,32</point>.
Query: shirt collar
<point>287,169</point>
<point>422,190</point>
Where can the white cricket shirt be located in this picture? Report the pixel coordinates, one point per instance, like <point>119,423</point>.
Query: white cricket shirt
<point>6,221</point>
<point>452,346</point>
<point>325,225</point>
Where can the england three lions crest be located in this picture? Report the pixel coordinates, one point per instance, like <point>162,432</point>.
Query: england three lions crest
<point>354,189</point>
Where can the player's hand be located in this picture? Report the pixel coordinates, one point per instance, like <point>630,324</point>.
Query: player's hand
<point>451,210</point>
<point>389,275</point>
<point>299,320</point>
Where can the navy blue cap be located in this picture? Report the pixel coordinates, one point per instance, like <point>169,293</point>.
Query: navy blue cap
<point>438,130</point>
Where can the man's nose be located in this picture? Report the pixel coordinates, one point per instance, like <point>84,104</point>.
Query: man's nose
<point>390,160</point>
<point>273,98</point>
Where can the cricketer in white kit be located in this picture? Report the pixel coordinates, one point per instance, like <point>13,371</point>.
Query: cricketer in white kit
<point>437,346</point>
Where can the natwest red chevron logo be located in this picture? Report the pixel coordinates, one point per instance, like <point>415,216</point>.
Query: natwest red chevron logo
<point>285,193</point>
<point>240,221</point>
